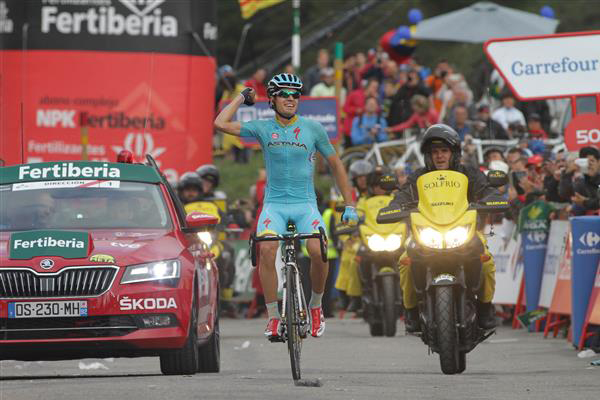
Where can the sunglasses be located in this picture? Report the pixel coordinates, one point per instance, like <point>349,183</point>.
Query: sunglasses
<point>287,93</point>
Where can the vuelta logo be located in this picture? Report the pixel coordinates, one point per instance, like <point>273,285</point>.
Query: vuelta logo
<point>146,19</point>
<point>140,144</point>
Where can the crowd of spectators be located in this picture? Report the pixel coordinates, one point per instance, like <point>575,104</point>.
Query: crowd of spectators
<point>382,101</point>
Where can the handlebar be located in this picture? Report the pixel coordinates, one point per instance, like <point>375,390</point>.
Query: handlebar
<point>289,237</point>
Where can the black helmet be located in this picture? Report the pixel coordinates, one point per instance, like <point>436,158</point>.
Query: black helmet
<point>444,135</point>
<point>209,172</point>
<point>360,168</point>
<point>189,178</point>
<point>378,172</point>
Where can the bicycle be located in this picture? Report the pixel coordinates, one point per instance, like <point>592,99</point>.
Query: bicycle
<point>295,316</point>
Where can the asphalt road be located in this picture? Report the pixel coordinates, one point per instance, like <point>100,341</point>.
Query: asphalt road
<point>349,363</point>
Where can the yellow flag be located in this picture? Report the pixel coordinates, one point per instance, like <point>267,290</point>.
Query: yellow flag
<point>251,7</point>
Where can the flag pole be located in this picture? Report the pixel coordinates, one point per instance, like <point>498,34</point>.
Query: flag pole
<point>296,35</point>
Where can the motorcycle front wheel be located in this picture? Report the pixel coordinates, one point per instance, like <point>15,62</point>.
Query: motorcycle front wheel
<point>390,315</point>
<point>446,334</point>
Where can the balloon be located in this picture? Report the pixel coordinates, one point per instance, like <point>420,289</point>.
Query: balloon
<point>403,32</point>
<point>547,12</point>
<point>415,16</point>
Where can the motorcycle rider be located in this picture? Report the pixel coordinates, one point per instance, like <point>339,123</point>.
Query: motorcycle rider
<point>189,188</point>
<point>348,281</point>
<point>441,149</point>
<point>209,174</point>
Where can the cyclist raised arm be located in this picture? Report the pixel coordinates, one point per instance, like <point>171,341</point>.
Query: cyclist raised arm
<point>289,143</point>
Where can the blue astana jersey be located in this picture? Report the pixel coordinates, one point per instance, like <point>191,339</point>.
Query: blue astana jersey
<point>289,153</point>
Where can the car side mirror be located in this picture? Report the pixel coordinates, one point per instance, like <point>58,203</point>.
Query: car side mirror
<point>198,222</point>
<point>497,178</point>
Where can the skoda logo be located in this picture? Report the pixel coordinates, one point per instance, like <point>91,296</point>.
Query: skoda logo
<point>46,263</point>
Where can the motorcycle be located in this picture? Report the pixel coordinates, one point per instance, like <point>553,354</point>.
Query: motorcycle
<point>380,247</point>
<point>445,255</point>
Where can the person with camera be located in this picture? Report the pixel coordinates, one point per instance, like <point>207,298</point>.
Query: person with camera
<point>580,181</point>
<point>484,127</point>
<point>400,108</point>
<point>370,126</point>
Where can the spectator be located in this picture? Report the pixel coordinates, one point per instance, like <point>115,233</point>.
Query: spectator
<point>313,74</point>
<point>423,116</point>
<point>354,106</point>
<point>326,88</point>
<point>580,180</point>
<point>461,125</point>
<point>435,82</point>
<point>351,76</point>
<point>513,155</point>
<point>401,172</point>
<point>508,114</point>
<point>524,146</point>
<point>485,127</point>
<point>551,181</point>
<point>400,109</point>
<point>460,97</point>
<point>389,91</point>
<point>290,69</point>
<point>373,69</point>
<point>370,126</point>
<point>534,127</point>
<point>538,107</point>
<point>257,82</point>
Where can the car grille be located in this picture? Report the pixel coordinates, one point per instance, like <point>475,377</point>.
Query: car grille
<point>66,328</point>
<point>69,282</point>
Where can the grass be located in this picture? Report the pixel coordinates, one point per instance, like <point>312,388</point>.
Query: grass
<point>236,179</point>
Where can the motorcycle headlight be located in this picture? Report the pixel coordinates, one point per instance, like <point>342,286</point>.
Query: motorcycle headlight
<point>431,238</point>
<point>393,242</point>
<point>376,242</point>
<point>155,271</point>
<point>457,236</point>
<point>206,237</point>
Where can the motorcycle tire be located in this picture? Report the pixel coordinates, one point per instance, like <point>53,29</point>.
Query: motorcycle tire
<point>462,362</point>
<point>390,314</point>
<point>446,331</point>
<point>376,329</point>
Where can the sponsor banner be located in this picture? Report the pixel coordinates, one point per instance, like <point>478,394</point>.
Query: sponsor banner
<point>507,253</point>
<point>164,26</point>
<point>242,284</point>
<point>320,109</point>
<point>59,171</point>
<point>66,244</point>
<point>548,66</point>
<point>557,240</point>
<point>585,256</point>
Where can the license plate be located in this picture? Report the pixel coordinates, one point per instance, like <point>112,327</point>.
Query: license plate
<point>45,309</point>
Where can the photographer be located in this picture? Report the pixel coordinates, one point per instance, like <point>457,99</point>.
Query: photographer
<point>370,126</point>
<point>484,127</point>
<point>580,180</point>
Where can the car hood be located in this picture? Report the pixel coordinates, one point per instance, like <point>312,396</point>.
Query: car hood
<point>123,247</point>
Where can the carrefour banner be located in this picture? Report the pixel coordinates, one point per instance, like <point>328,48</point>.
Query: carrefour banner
<point>534,224</point>
<point>320,109</point>
<point>89,78</point>
<point>585,256</point>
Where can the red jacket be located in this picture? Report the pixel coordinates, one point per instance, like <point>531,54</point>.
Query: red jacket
<point>259,87</point>
<point>354,102</point>
<point>422,120</point>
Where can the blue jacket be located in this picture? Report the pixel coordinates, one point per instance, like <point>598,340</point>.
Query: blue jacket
<point>361,126</point>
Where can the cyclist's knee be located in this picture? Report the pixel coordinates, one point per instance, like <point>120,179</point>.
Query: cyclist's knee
<point>268,250</point>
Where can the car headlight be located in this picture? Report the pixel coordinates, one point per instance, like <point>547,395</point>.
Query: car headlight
<point>393,242</point>
<point>154,271</point>
<point>206,237</point>
<point>376,242</point>
<point>431,238</point>
<point>456,237</point>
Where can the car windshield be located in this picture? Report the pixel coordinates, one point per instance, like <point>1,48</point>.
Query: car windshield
<point>82,205</point>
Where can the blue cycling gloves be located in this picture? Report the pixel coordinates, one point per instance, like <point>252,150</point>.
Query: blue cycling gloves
<point>349,215</point>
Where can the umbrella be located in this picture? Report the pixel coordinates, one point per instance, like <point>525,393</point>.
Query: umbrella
<point>482,21</point>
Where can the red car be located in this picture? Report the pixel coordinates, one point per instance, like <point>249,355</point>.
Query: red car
<point>100,260</point>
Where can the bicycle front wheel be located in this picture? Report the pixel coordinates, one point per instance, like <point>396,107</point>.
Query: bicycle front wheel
<point>294,340</point>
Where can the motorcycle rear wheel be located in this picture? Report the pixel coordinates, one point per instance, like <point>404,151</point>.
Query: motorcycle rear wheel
<point>446,334</point>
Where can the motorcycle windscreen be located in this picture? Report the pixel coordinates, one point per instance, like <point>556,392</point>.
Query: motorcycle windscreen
<point>443,196</point>
<point>371,207</point>
<point>206,207</point>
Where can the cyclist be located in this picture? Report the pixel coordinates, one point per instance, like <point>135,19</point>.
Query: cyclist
<point>440,147</point>
<point>289,143</point>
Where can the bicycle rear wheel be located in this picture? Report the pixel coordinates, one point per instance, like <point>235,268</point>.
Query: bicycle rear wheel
<point>294,340</point>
